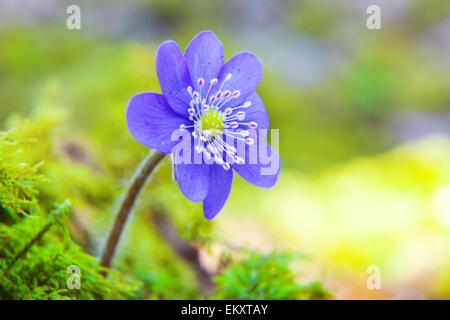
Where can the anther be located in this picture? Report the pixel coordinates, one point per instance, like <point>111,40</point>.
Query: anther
<point>253,124</point>
<point>201,82</point>
<point>239,160</point>
<point>234,125</point>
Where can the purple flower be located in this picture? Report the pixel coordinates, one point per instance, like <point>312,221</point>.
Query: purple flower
<point>216,104</point>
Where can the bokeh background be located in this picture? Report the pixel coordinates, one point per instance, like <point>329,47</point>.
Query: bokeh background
<point>364,119</point>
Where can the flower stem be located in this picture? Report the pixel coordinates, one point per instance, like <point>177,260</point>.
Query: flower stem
<point>138,180</point>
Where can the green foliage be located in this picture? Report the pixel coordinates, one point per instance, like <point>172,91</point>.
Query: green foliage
<point>36,250</point>
<point>18,177</point>
<point>314,17</point>
<point>35,253</point>
<point>265,276</point>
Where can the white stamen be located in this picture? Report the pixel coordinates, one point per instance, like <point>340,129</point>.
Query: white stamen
<point>253,124</point>
<point>234,125</point>
<point>210,143</point>
<point>218,159</point>
<point>239,160</point>
<point>244,133</point>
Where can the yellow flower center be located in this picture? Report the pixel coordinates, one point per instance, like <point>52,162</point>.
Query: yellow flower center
<point>212,122</point>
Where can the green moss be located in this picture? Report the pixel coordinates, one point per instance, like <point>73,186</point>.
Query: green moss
<point>35,247</point>
<point>18,177</point>
<point>265,276</point>
<point>35,254</point>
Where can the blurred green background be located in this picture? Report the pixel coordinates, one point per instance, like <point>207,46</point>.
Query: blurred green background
<point>364,119</point>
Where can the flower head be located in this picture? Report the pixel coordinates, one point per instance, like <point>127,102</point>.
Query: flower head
<point>214,108</point>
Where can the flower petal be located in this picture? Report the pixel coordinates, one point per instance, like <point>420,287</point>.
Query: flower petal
<point>204,57</point>
<point>246,73</point>
<point>257,113</point>
<point>173,75</point>
<point>151,121</point>
<point>220,181</point>
<point>193,180</point>
<point>262,163</point>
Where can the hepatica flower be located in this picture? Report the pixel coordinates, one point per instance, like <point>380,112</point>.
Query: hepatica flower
<point>209,118</point>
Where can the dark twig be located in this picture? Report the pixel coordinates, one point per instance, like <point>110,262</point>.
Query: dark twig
<point>135,186</point>
<point>27,247</point>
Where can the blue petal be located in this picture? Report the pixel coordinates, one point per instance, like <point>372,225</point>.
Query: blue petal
<point>151,121</point>
<point>173,75</point>
<point>246,71</point>
<point>220,181</point>
<point>193,180</point>
<point>262,163</point>
<point>257,113</point>
<point>204,57</point>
